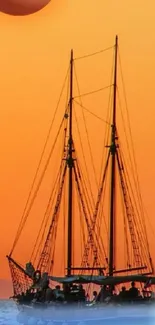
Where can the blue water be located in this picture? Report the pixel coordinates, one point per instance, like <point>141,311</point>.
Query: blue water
<point>8,313</point>
<point>145,315</point>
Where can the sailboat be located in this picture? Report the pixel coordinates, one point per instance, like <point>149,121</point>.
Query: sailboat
<point>97,267</point>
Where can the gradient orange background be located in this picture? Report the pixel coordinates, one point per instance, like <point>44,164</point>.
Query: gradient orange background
<point>34,57</point>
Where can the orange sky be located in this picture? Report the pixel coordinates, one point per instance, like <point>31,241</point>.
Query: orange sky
<point>34,57</point>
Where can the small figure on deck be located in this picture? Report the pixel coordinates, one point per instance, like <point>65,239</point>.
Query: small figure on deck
<point>94,296</point>
<point>36,277</point>
<point>66,291</point>
<point>103,294</point>
<point>82,293</point>
<point>58,293</point>
<point>133,291</point>
<point>123,295</point>
<point>30,270</point>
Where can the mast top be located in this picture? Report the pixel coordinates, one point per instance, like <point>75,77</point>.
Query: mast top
<point>71,58</point>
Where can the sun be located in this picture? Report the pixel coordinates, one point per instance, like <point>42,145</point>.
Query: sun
<point>22,7</point>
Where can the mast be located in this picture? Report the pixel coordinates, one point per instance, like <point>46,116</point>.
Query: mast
<point>70,166</point>
<point>113,172</point>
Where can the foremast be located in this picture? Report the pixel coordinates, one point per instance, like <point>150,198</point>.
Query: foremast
<point>113,171</point>
<point>70,162</point>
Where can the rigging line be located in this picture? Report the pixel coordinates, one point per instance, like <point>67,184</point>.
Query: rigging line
<point>94,243</point>
<point>129,213</point>
<point>99,262</point>
<point>131,136</point>
<point>106,137</point>
<point>149,221</point>
<point>127,255</point>
<point>128,147</point>
<point>100,236</point>
<point>107,132</point>
<point>40,161</point>
<point>137,210</point>
<point>45,253</point>
<point>93,91</point>
<point>134,178</point>
<point>125,170</point>
<point>90,150</point>
<point>49,264</point>
<point>54,246</point>
<point>94,218</point>
<point>85,212</point>
<point>89,196</point>
<point>84,158</point>
<point>127,142</point>
<point>51,199</point>
<point>64,196</point>
<point>101,211</point>
<point>84,180</point>
<point>98,228</point>
<point>140,221</point>
<point>86,109</point>
<point>86,195</point>
<point>138,233</point>
<point>141,236</point>
<point>94,53</point>
<point>142,242</point>
<point>81,181</point>
<point>37,189</point>
<point>52,258</point>
<point>48,209</point>
<point>45,219</point>
<point>50,203</point>
<point>109,113</point>
<point>82,233</point>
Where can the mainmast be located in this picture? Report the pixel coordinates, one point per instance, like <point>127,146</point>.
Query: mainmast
<point>113,172</point>
<point>70,166</point>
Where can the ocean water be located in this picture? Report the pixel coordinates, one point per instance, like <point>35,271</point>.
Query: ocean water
<point>142,315</point>
<point>8,313</point>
